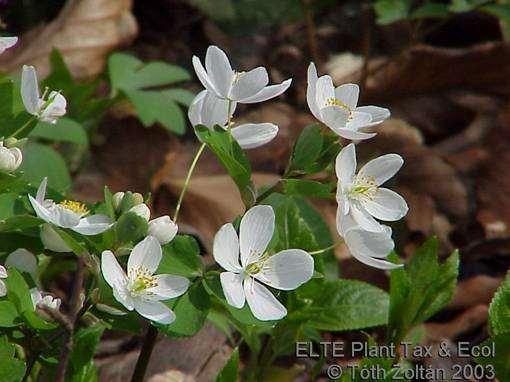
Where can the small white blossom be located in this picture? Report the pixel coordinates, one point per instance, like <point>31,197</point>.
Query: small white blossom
<point>45,109</point>
<point>3,275</point>
<point>337,107</point>
<point>10,158</point>
<point>68,214</point>
<point>140,289</point>
<point>162,228</point>
<point>7,42</point>
<point>360,195</point>
<point>285,270</point>
<point>23,260</point>
<point>243,87</point>
<point>47,300</point>
<point>52,240</point>
<point>209,110</point>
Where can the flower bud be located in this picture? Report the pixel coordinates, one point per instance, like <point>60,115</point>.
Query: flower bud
<point>10,158</point>
<point>117,200</point>
<point>163,229</point>
<point>137,198</point>
<point>23,260</point>
<point>52,241</point>
<point>142,210</point>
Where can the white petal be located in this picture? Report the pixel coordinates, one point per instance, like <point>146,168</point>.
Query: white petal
<point>195,109</point>
<point>334,117</point>
<point>41,212</point>
<point>310,90</point>
<point>358,121</point>
<point>141,210</point>
<point>344,222</point>
<point>324,92</point>
<point>353,134</point>
<point>364,219</point>
<point>232,284</point>
<point>163,229</point>
<point>35,296</point>
<point>7,42</point>
<point>64,217</point>
<point>219,70</point>
<point>378,114</point>
<point>345,165</point>
<point>215,110</point>
<point>146,254</point>
<point>3,272</point>
<point>56,108</point>
<point>255,233</point>
<point>263,304</point>
<point>18,156</point>
<point>249,83</point>
<point>252,135</point>
<point>113,273</point>
<point>41,190</point>
<point>348,94</point>
<point>169,286</point>
<point>155,311</point>
<point>22,260</point>
<point>30,89</point>
<point>370,247</point>
<point>268,92</point>
<point>203,77</point>
<point>52,240</point>
<point>3,289</point>
<point>386,205</point>
<point>93,225</point>
<point>226,248</point>
<point>382,168</point>
<point>287,269</point>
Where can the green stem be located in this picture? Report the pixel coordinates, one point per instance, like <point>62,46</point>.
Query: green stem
<point>187,180</point>
<point>318,252</point>
<point>20,130</point>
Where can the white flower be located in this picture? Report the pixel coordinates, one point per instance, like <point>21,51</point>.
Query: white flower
<point>337,109</point>
<point>371,248</point>
<point>52,240</point>
<point>3,275</point>
<point>140,289</point>
<point>361,196</point>
<point>68,214</point>
<point>45,109</point>
<point>10,158</point>
<point>22,260</point>
<point>7,42</point>
<point>47,301</point>
<point>243,87</point>
<point>286,270</point>
<point>209,110</point>
<point>162,228</point>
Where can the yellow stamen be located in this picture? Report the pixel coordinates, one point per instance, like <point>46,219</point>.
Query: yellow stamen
<point>142,279</point>
<point>74,206</point>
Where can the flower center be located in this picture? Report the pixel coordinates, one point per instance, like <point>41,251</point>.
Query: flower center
<point>256,267</point>
<point>74,206</point>
<point>364,188</point>
<point>336,102</point>
<point>142,279</point>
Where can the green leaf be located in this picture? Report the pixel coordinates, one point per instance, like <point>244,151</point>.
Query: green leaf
<point>73,243</point>
<point>499,310</point>
<point>36,322</point>
<point>232,157</point>
<point>8,314</point>
<point>190,310</point>
<point>464,5</point>
<point>131,227</point>
<point>230,372</point>
<point>421,289</point>
<point>85,341</point>
<point>7,202</point>
<point>308,188</point>
<point>181,96</point>
<point>499,360</point>
<point>19,223</point>
<point>41,161</point>
<point>128,72</point>
<point>17,291</point>
<point>6,107</point>
<point>389,11</point>
<point>342,305</point>
<point>181,257</point>
<point>430,10</point>
<point>307,148</point>
<point>157,107</point>
<point>12,369</point>
<point>65,130</point>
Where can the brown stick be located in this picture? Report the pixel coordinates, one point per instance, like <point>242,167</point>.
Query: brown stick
<point>145,354</point>
<point>311,32</point>
<point>74,308</point>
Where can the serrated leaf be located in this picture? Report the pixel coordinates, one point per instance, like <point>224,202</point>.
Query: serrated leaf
<point>308,188</point>
<point>85,341</point>
<point>12,369</point>
<point>342,305</point>
<point>65,130</point>
<point>131,227</point>
<point>17,291</point>
<point>8,314</point>
<point>499,360</point>
<point>499,310</point>
<point>307,148</point>
<point>389,11</point>
<point>181,257</point>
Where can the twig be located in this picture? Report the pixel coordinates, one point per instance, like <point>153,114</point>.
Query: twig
<point>367,43</point>
<point>145,354</point>
<point>311,32</point>
<point>74,308</point>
